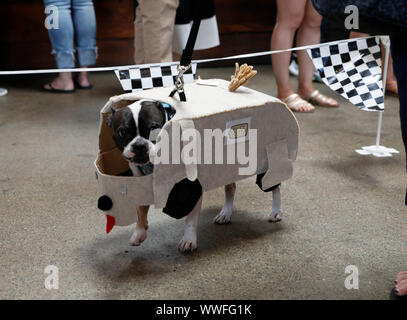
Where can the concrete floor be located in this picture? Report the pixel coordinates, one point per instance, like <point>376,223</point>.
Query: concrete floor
<point>340,209</point>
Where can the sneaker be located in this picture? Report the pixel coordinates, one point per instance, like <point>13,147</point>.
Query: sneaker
<point>293,68</point>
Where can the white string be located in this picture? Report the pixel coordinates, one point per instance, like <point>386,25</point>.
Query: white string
<point>386,43</point>
<point>240,56</point>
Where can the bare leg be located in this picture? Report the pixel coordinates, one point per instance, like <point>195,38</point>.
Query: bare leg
<point>356,34</point>
<point>140,234</point>
<point>62,82</point>
<point>289,17</point>
<point>226,212</point>
<point>290,14</point>
<point>391,82</point>
<point>309,33</point>
<point>189,240</point>
<point>276,213</point>
<point>83,78</point>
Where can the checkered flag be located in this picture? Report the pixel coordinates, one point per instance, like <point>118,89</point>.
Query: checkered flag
<point>353,69</point>
<point>152,76</point>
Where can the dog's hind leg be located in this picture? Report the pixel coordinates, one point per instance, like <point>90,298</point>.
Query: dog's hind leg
<point>189,240</point>
<point>276,214</point>
<point>140,234</point>
<point>226,212</point>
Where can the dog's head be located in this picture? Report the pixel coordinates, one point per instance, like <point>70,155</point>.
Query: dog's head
<point>135,128</point>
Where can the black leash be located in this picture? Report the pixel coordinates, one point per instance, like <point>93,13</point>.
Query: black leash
<point>186,57</point>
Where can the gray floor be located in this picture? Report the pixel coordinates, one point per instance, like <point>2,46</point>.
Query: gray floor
<point>340,209</point>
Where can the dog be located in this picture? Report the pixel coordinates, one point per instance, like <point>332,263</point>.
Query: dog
<point>132,127</point>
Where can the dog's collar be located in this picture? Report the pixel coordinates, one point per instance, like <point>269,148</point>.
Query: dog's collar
<point>147,168</point>
<point>169,111</point>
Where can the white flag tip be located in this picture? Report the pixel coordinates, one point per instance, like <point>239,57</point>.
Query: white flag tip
<point>377,151</point>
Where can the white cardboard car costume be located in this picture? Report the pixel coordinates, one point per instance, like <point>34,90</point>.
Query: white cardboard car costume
<point>208,107</point>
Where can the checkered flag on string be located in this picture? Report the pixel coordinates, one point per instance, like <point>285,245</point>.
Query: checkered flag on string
<point>353,69</point>
<point>152,76</point>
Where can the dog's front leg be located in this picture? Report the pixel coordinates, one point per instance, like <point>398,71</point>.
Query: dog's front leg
<point>140,234</point>
<point>276,214</point>
<point>189,240</point>
<point>226,213</point>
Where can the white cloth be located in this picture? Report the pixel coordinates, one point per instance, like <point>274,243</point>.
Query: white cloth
<point>208,35</point>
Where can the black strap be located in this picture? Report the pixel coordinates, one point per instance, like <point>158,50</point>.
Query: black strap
<point>186,57</point>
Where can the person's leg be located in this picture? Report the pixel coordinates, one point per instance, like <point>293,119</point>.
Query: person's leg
<point>357,34</point>
<point>84,19</point>
<point>138,37</point>
<point>62,45</point>
<point>399,55</point>
<point>157,19</point>
<point>309,33</point>
<point>289,17</point>
<point>168,13</point>
<point>391,82</point>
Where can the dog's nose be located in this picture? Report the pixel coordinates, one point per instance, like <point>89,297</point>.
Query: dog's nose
<point>139,148</point>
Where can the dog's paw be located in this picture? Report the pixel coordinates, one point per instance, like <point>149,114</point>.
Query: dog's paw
<point>275,216</point>
<point>223,217</point>
<point>188,243</point>
<point>139,235</point>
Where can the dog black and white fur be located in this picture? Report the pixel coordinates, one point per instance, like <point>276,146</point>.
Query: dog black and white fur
<point>132,126</point>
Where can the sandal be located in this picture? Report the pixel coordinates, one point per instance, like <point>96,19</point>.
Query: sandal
<point>53,90</point>
<point>78,86</point>
<point>297,104</point>
<point>319,99</point>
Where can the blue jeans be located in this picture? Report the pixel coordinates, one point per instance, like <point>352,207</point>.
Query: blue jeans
<point>74,17</point>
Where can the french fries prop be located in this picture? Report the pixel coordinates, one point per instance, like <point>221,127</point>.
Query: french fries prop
<point>241,76</point>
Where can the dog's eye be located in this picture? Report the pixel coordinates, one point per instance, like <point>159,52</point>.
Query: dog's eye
<point>121,132</point>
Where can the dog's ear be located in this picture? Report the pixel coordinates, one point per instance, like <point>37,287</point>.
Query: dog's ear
<point>110,118</point>
<point>155,104</point>
<point>162,111</point>
<point>109,121</point>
